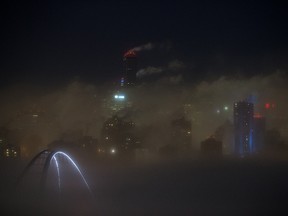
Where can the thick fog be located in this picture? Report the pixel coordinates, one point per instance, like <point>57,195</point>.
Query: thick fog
<point>37,116</point>
<point>34,117</point>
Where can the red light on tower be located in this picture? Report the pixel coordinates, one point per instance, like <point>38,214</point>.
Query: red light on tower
<point>130,54</point>
<point>267,106</point>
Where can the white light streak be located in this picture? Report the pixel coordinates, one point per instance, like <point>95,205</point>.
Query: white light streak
<point>76,167</point>
<point>58,173</point>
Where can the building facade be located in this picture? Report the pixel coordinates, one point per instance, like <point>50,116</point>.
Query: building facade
<point>259,130</point>
<point>130,68</point>
<point>243,128</point>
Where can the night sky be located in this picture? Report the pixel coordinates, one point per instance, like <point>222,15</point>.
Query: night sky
<point>53,42</point>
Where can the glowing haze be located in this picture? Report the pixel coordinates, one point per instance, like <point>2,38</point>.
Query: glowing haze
<point>37,117</point>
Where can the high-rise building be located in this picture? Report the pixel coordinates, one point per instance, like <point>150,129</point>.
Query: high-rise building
<point>7,149</point>
<point>181,134</point>
<point>118,135</point>
<point>243,128</point>
<point>130,68</point>
<point>259,129</point>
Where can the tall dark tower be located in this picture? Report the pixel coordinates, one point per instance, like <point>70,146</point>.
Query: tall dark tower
<point>243,128</point>
<point>259,129</point>
<point>130,68</point>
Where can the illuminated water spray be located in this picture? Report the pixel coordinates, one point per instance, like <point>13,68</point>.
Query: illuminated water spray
<point>54,157</point>
<point>39,166</point>
<point>58,172</point>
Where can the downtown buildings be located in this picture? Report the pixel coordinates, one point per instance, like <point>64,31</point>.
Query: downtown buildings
<point>118,130</point>
<point>249,129</point>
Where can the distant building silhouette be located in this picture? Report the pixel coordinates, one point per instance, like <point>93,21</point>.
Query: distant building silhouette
<point>224,133</point>
<point>7,149</point>
<point>180,138</point>
<point>181,134</point>
<point>211,148</point>
<point>259,130</point>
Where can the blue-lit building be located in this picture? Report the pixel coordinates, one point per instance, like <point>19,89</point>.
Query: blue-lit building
<point>243,128</point>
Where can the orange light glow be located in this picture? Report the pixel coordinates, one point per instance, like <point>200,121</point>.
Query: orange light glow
<point>129,54</point>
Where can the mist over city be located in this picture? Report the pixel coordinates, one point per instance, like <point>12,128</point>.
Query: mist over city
<point>137,108</point>
<point>35,117</point>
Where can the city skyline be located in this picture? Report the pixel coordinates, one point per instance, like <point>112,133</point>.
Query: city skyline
<point>167,111</point>
<point>79,111</point>
<point>143,108</point>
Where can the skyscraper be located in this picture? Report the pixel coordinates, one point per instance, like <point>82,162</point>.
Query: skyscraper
<point>259,129</point>
<point>130,68</point>
<point>243,128</point>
